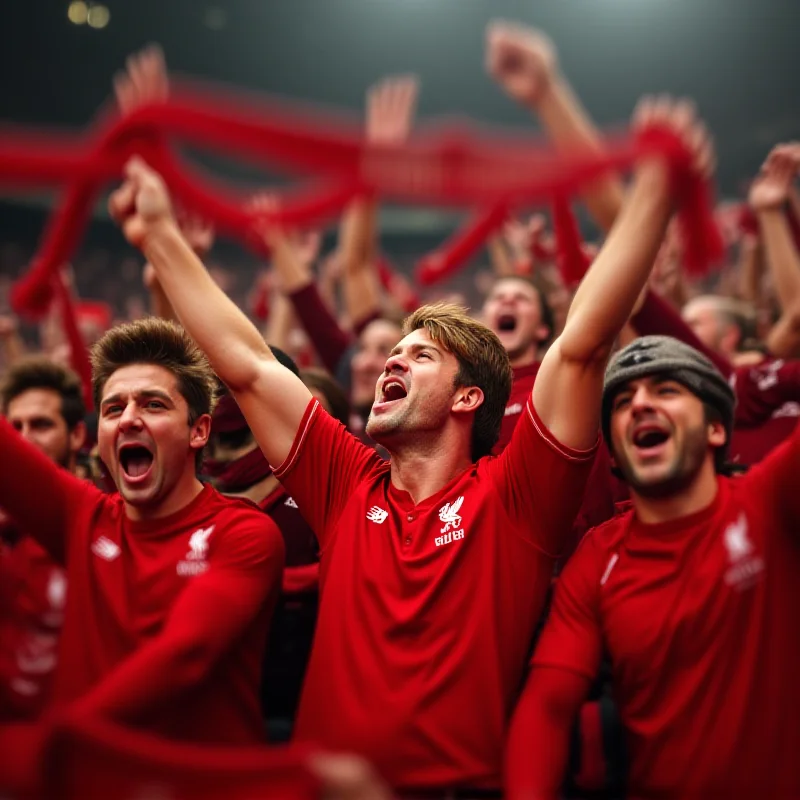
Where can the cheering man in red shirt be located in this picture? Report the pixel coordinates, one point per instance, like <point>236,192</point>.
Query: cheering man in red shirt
<point>694,594</point>
<point>435,565</point>
<point>171,585</point>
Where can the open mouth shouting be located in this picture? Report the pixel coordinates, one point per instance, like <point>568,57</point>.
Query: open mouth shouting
<point>506,323</point>
<point>393,391</point>
<point>136,462</point>
<point>650,439</point>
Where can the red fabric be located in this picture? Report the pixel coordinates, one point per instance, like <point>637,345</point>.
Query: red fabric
<point>94,761</point>
<point>571,260</point>
<point>521,388</point>
<point>392,675</point>
<point>592,773</point>
<point>698,616</point>
<point>453,167</point>
<point>32,597</point>
<point>178,624</point>
<point>78,353</point>
<point>260,309</point>
<point>94,312</point>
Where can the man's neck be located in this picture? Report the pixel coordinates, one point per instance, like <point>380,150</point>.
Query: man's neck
<point>697,496</point>
<point>423,471</point>
<point>530,356</point>
<point>258,491</point>
<point>183,493</point>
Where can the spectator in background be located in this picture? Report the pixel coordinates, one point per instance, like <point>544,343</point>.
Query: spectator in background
<point>43,402</point>
<point>693,592</point>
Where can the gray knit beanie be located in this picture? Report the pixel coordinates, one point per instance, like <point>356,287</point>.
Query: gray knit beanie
<point>652,355</point>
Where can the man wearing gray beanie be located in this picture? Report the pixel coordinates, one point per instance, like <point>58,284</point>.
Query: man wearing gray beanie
<point>693,594</point>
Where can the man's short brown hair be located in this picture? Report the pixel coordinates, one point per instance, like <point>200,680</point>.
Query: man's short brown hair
<point>164,344</point>
<point>39,372</point>
<point>482,360</point>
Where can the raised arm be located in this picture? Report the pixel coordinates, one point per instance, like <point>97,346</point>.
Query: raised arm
<point>390,116</point>
<point>768,198</point>
<point>525,62</point>
<point>270,396</point>
<point>567,391</point>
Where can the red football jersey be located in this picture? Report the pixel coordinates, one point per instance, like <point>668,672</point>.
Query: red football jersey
<point>767,408</point>
<point>427,611</point>
<point>165,620</point>
<point>699,617</point>
<point>33,591</point>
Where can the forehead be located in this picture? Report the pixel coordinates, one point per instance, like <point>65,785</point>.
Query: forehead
<point>514,286</point>
<point>699,309</point>
<point>418,338</point>
<point>35,402</point>
<point>135,378</point>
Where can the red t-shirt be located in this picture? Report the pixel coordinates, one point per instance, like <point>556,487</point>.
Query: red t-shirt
<point>521,389</point>
<point>699,617</point>
<point>166,620</point>
<point>427,611</point>
<point>767,408</point>
<point>32,597</point>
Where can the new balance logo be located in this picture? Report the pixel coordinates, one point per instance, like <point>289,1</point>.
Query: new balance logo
<point>290,502</point>
<point>514,408</point>
<point>105,548</point>
<point>377,515</point>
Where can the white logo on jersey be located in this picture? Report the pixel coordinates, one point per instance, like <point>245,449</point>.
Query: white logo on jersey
<point>611,563</point>
<point>736,539</point>
<point>290,502</point>
<point>448,514</point>
<point>105,548</point>
<point>194,562</point>
<point>514,408</point>
<point>767,376</point>
<point>745,566</point>
<point>377,515</point>
<point>57,589</point>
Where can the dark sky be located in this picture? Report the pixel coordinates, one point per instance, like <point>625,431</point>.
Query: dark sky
<point>737,58</point>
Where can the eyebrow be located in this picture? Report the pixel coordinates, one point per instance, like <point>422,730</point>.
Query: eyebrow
<point>145,394</point>
<point>415,348</point>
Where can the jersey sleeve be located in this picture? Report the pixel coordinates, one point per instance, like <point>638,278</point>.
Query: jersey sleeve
<point>775,481</point>
<point>572,636</point>
<point>39,496</point>
<point>763,389</point>
<point>324,467</point>
<point>541,482</point>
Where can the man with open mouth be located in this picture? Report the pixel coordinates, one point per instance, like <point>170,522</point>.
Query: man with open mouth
<point>694,594</point>
<point>171,585</point>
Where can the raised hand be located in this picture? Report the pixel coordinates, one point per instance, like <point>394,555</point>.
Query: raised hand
<point>197,232</point>
<point>391,107</point>
<point>141,205</point>
<point>680,117</point>
<point>144,80</point>
<point>771,188</point>
<point>522,60</point>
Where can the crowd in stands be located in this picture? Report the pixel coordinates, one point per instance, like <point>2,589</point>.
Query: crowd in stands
<point>309,527</point>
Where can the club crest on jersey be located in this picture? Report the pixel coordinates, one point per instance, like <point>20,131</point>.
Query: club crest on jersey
<point>194,562</point>
<point>451,529</point>
<point>745,566</point>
